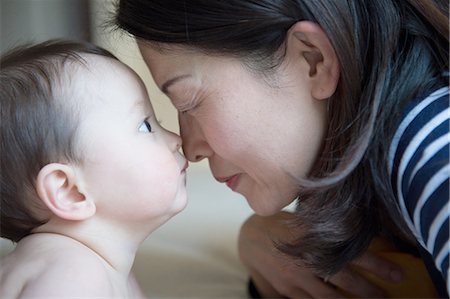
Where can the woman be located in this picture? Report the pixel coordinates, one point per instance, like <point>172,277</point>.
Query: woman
<point>314,101</point>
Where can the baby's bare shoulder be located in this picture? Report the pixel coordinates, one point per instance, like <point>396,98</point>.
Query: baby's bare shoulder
<point>49,267</point>
<point>13,275</point>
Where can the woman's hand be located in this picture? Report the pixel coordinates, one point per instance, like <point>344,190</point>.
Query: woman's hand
<point>278,275</point>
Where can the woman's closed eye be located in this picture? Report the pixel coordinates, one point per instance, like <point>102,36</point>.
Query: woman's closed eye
<point>189,109</point>
<point>186,106</point>
<point>145,127</point>
<point>184,111</point>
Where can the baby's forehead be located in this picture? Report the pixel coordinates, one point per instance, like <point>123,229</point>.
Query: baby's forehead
<point>94,73</point>
<point>76,84</point>
<point>94,63</point>
<point>99,80</point>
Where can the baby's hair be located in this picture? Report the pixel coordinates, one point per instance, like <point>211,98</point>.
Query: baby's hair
<point>37,124</point>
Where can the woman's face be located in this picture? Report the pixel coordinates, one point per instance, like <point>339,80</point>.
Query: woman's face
<point>258,133</point>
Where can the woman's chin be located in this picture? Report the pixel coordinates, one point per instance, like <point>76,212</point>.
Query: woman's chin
<point>263,210</point>
<point>268,206</point>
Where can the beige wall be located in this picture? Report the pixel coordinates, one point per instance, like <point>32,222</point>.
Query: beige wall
<point>124,47</point>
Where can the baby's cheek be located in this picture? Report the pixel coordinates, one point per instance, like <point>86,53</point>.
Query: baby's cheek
<point>166,179</point>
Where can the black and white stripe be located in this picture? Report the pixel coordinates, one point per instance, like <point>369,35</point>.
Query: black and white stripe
<point>420,172</point>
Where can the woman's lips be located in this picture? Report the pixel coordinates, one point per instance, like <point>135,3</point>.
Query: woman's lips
<point>231,181</point>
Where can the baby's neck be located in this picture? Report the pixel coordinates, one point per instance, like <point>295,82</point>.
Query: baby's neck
<point>116,247</point>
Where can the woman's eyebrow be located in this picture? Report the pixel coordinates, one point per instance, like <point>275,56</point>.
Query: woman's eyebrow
<point>168,83</point>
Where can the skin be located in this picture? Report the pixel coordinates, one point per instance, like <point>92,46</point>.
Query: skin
<point>218,124</point>
<point>131,181</point>
<point>145,155</point>
<point>260,134</point>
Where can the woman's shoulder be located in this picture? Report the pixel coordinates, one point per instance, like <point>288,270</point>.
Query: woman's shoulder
<point>419,158</point>
<point>423,130</point>
<point>419,153</point>
<point>420,172</point>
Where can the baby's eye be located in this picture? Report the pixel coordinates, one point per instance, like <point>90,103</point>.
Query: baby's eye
<point>145,127</point>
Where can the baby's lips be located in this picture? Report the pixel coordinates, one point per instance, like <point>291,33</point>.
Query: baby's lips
<point>186,165</point>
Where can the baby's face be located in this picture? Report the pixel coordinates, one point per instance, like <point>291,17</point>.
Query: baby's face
<point>132,167</point>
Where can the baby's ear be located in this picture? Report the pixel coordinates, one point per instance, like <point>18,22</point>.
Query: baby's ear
<point>58,189</point>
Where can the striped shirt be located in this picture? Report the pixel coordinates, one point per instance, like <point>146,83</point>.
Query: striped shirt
<point>420,173</point>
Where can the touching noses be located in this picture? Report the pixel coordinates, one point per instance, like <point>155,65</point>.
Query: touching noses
<point>172,140</point>
<point>195,146</point>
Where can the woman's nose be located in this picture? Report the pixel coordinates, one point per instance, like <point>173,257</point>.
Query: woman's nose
<point>195,145</point>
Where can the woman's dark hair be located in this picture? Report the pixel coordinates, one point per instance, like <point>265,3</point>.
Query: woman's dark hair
<point>389,50</point>
<point>37,124</point>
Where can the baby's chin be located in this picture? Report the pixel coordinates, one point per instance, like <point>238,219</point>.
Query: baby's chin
<point>175,209</point>
<point>180,202</point>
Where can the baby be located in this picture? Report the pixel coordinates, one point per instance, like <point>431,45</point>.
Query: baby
<point>87,173</point>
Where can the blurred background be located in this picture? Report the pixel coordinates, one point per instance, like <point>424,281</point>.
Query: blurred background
<point>193,255</point>
<point>24,21</point>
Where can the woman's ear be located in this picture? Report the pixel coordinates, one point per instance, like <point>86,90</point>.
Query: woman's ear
<point>312,43</point>
<point>58,189</point>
